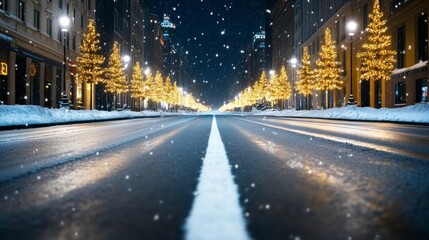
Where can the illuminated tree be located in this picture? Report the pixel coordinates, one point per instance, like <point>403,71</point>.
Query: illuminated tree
<point>285,90</point>
<point>137,83</point>
<point>168,91</point>
<point>377,58</point>
<point>175,94</point>
<point>115,77</point>
<point>305,84</point>
<point>329,70</point>
<point>261,87</point>
<point>90,60</point>
<point>273,89</point>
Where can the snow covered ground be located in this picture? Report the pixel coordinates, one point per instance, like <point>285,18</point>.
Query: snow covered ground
<point>418,113</point>
<point>27,115</point>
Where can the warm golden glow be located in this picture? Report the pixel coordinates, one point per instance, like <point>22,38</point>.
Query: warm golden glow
<point>377,58</point>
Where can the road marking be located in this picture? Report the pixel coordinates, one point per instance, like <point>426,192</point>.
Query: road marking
<point>216,212</point>
<point>348,141</point>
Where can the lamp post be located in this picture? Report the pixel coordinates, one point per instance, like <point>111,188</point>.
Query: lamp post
<point>64,24</point>
<point>293,62</point>
<point>351,27</point>
<point>126,59</point>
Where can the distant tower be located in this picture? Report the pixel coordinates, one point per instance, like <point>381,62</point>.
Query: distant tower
<point>170,53</point>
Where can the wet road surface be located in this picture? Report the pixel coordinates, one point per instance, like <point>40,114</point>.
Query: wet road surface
<point>137,179</point>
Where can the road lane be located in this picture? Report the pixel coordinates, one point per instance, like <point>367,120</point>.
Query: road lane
<point>28,150</point>
<point>142,189</point>
<point>137,179</point>
<point>407,140</point>
<point>294,185</point>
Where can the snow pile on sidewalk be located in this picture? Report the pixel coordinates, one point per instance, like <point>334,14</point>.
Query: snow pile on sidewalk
<point>14,115</point>
<point>418,113</point>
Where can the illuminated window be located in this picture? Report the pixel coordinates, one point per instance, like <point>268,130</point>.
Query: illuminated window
<point>422,91</point>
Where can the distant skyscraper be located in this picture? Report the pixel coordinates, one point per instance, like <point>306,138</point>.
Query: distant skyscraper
<point>255,58</point>
<point>170,52</point>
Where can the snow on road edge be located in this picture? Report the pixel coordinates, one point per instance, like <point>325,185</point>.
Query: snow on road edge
<point>216,212</point>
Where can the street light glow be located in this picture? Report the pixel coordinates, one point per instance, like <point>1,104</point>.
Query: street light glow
<point>293,61</point>
<point>126,58</point>
<point>352,26</point>
<point>64,23</point>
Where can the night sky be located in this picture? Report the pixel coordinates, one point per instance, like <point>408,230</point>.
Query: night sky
<point>214,32</point>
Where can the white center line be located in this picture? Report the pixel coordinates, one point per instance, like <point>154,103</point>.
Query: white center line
<point>216,212</point>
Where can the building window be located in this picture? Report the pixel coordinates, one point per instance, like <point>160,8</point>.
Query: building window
<point>74,15</point>
<point>49,27</point>
<point>365,16</point>
<point>422,91</point>
<point>3,5</point>
<point>59,35</point>
<point>422,39</point>
<point>60,4</point>
<point>68,39</point>
<point>401,47</point>
<point>337,31</point>
<point>67,9</point>
<point>81,21</point>
<point>36,19</point>
<point>89,5</point>
<point>344,63</point>
<point>74,42</point>
<point>21,10</point>
<point>400,93</point>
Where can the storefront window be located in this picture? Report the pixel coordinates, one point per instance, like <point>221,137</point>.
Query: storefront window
<point>422,91</point>
<point>400,93</point>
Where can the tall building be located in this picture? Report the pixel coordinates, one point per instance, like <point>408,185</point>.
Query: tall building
<point>154,58</point>
<point>255,58</point>
<point>269,7</point>
<point>176,64</point>
<point>120,21</point>
<point>282,33</point>
<point>32,53</point>
<point>170,51</point>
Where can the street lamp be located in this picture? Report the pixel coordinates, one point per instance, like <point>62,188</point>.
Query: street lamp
<point>293,62</point>
<point>64,24</point>
<point>351,27</point>
<point>127,59</point>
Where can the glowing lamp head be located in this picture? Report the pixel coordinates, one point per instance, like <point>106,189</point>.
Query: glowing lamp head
<point>126,58</point>
<point>293,62</point>
<point>351,27</point>
<point>64,23</point>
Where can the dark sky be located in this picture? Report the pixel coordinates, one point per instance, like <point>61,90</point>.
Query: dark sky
<point>214,32</point>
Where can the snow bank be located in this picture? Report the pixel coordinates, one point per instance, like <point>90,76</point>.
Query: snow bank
<point>14,115</point>
<point>418,113</point>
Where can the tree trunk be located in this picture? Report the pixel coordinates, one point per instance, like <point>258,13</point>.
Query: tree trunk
<point>90,96</point>
<point>327,99</point>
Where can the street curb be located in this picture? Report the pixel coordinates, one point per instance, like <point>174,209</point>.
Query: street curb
<point>19,127</point>
<point>348,120</point>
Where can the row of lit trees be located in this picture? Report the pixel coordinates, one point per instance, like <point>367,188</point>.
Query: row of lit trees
<point>377,63</point>
<point>153,88</point>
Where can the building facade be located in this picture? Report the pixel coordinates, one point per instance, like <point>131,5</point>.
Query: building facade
<point>255,58</point>
<point>154,60</point>
<point>32,52</point>
<point>407,24</point>
<point>121,21</point>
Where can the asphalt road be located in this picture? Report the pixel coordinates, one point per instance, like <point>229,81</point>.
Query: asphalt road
<point>137,179</point>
